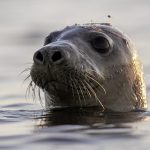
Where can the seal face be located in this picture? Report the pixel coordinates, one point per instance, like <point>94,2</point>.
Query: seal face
<point>90,65</point>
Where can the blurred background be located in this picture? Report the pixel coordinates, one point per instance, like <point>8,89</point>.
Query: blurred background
<point>23,26</point>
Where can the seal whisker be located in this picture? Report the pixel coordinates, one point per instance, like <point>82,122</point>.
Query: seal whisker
<point>97,74</point>
<point>86,89</point>
<point>39,95</point>
<point>93,92</point>
<point>33,92</point>
<point>96,82</point>
<point>28,89</point>
<point>82,93</point>
<point>72,87</point>
<point>25,70</point>
<point>27,78</point>
<point>76,87</point>
<point>72,90</point>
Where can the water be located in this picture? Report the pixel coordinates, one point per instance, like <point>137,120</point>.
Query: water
<point>23,122</point>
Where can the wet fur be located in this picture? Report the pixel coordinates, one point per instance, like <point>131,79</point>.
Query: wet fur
<point>83,82</point>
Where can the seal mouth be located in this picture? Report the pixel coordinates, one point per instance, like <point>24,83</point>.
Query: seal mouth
<point>67,80</point>
<point>55,85</point>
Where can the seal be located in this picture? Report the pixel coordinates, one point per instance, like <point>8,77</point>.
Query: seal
<point>90,65</point>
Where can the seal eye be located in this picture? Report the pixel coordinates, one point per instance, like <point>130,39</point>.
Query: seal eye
<point>101,44</point>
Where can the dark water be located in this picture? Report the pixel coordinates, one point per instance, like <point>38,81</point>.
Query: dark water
<point>73,128</point>
<point>23,122</point>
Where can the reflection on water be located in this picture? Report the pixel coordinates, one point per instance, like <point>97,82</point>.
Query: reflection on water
<point>24,125</point>
<point>86,116</point>
<point>88,127</point>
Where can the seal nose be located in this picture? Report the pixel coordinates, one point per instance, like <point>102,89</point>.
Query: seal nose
<point>38,57</point>
<point>54,57</point>
<point>57,56</point>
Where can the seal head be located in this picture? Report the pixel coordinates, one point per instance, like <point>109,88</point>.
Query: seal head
<point>90,65</point>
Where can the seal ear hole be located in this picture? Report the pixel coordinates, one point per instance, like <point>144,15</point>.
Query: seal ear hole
<point>101,44</point>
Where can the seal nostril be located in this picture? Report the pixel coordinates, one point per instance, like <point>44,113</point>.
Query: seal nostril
<point>56,56</point>
<point>38,57</point>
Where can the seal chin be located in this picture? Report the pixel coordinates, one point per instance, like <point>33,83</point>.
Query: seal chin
<point>54,86</point>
